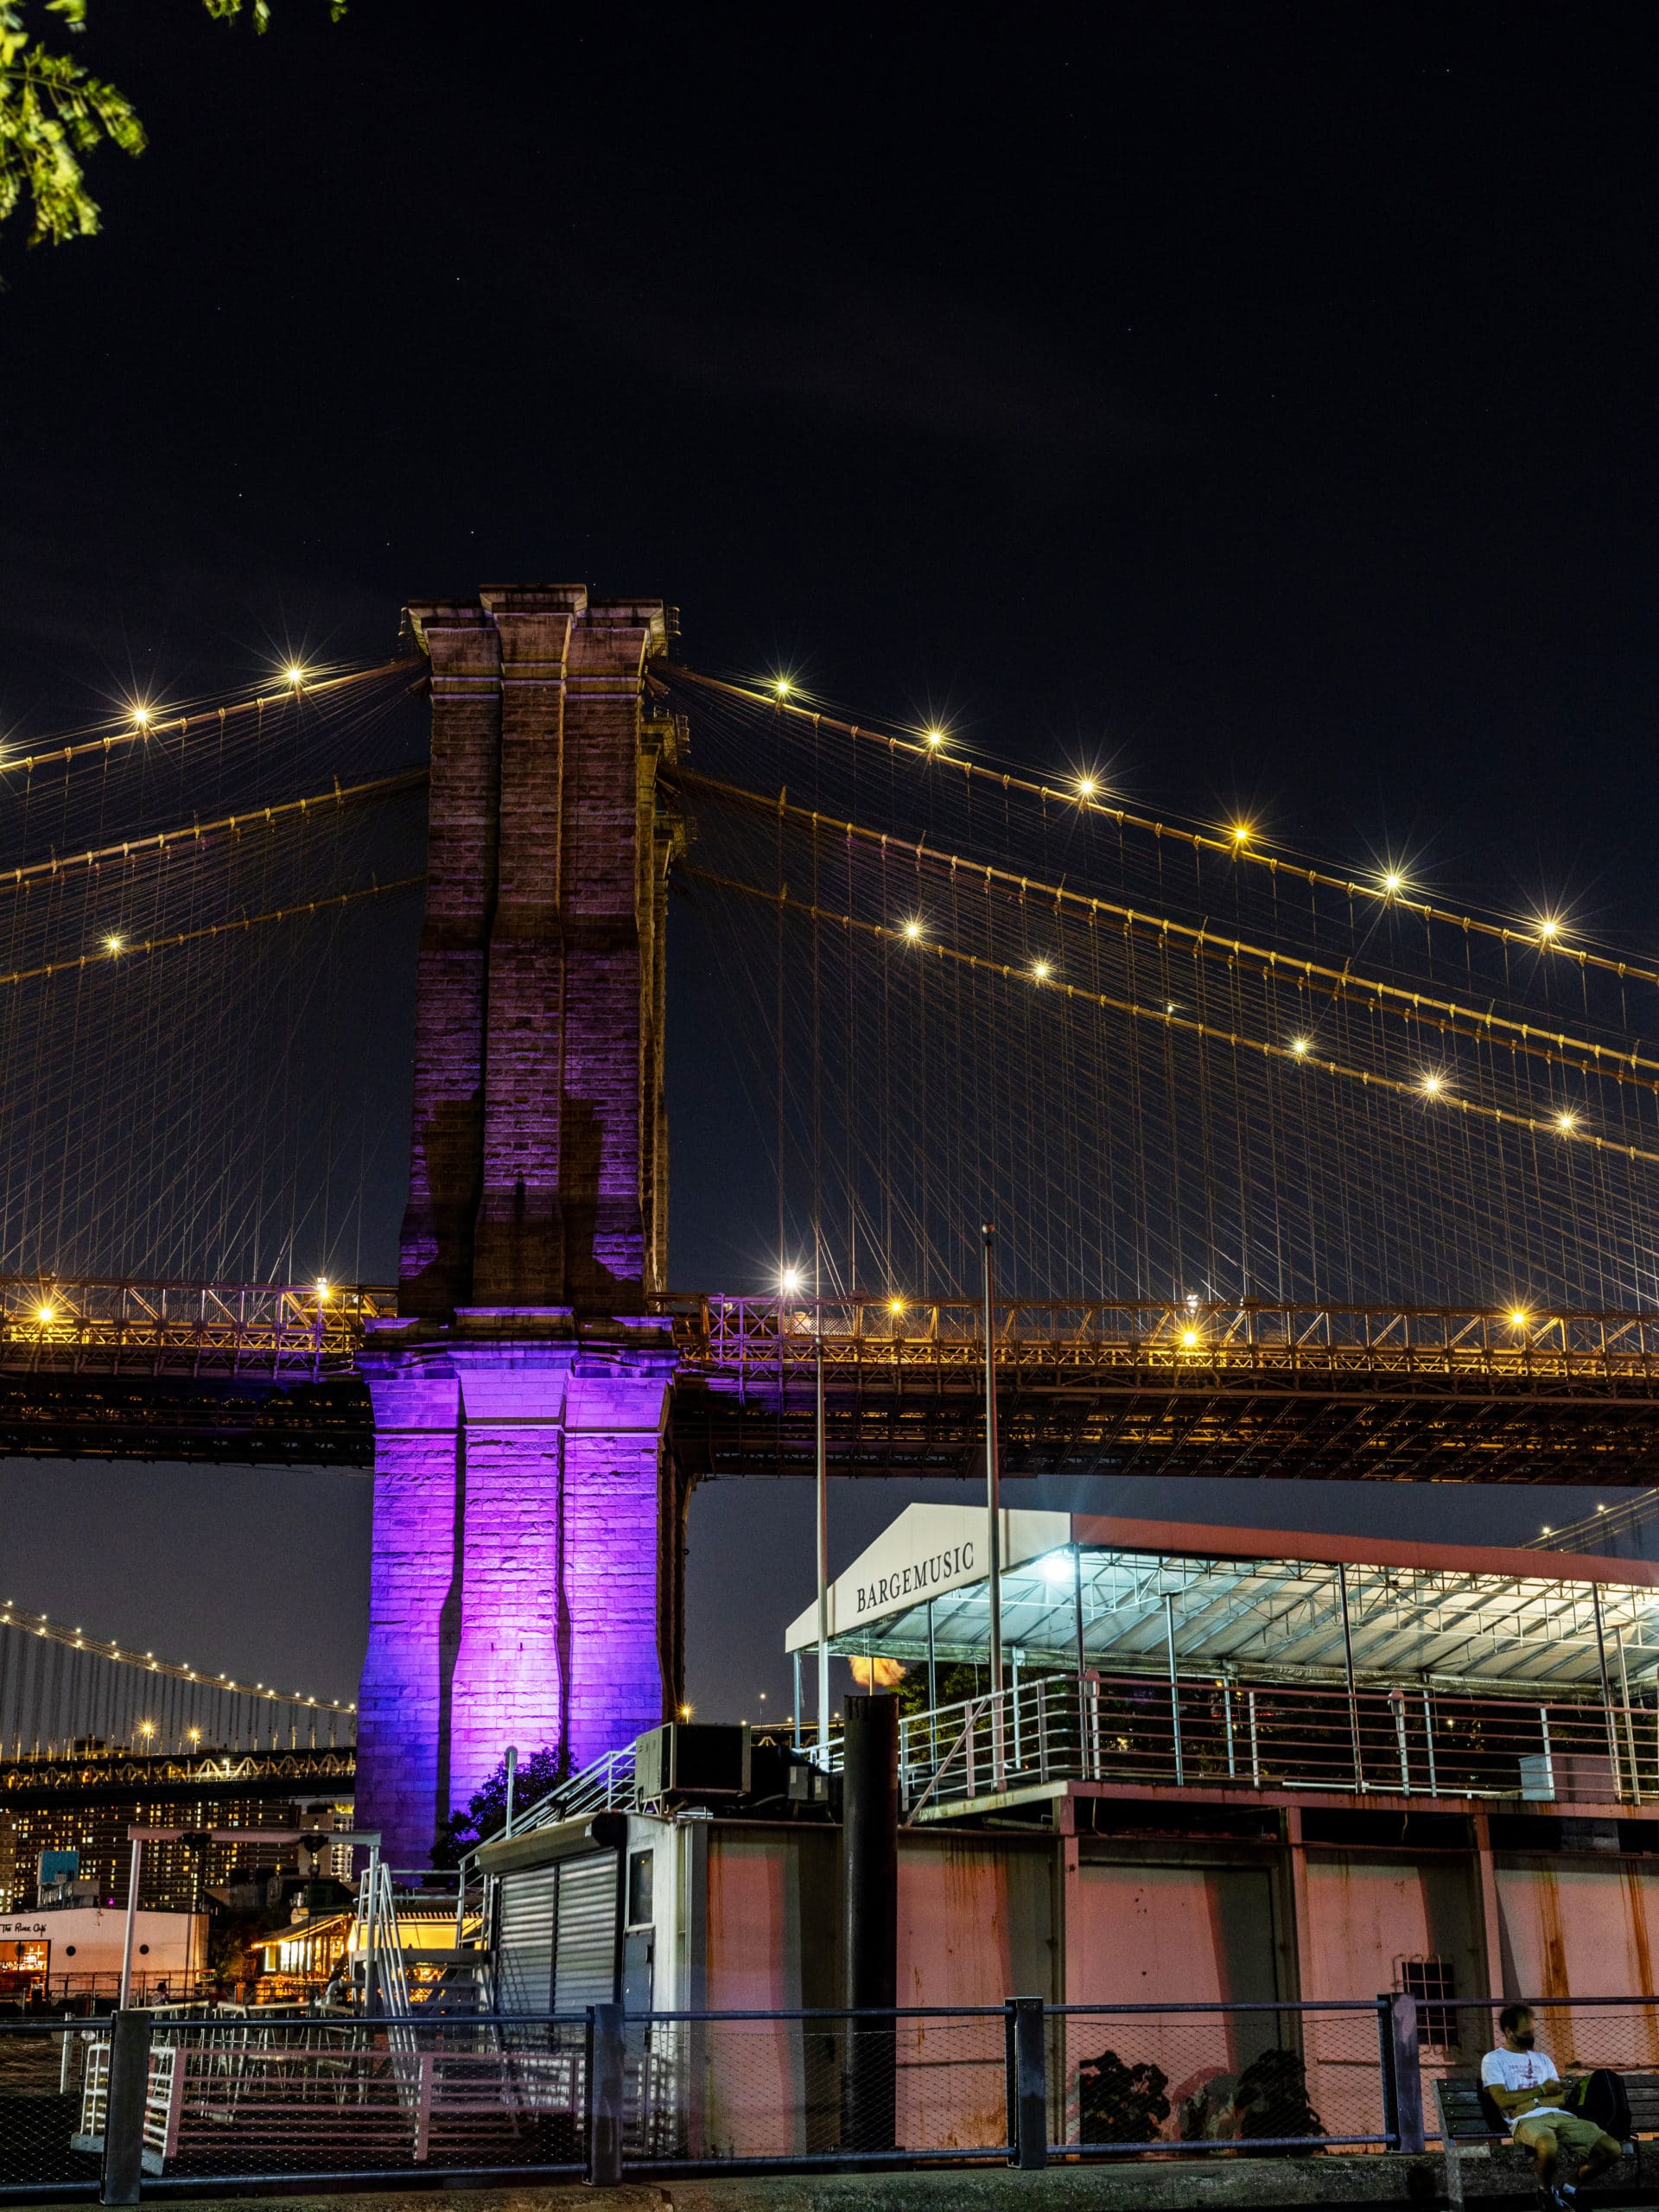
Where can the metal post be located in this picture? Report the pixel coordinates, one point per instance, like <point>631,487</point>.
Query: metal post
<point>1256,1747</point>
<point>932,1690</point>
<point>1077,1603</point>
<point>606,2057</point>
<point>1629,1725</point>
<point>512,1777</point>
<point>1428,1740</point>
<point>1348,1667</point>
<point>1016,1653</point>
<point>795,1732</point>
<point>1403,2087</point>
<point>1549,1755</point>
<point>1606,1690</point>
<point>823,1466</point>
<point>1174,1688</point>
<point>125,2096</point>
<point>1227,1716</point>
<point>993,1478</point>
<point>1397,1699</point>
<point>1027,2085</point>
<point>133,1925</point>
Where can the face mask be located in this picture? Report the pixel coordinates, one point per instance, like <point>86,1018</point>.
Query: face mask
<point>1524,2039</point>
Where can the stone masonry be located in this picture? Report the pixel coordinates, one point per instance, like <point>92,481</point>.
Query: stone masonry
<point>525,1576</point>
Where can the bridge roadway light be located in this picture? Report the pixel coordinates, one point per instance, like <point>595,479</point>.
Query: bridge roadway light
<point>781,687</point>
<point>43,1313</point>
<point>790,1281</point>
<point>1433,1084</point>
<point>1394,880</point>
<point>113,943</point>
<point>935,736</point>
<point>1040,970</point>
<point>912,930</point>
<point>1299,1046</point>
<point>1087,787</point>
<point>141,717</point>
<point>1519,1317</point>
<point>323,1290</point>
<point>294,674</point>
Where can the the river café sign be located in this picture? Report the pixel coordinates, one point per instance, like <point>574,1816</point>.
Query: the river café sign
<point>928,1550</point>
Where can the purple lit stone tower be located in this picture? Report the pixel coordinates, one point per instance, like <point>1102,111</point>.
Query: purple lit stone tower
<point>527,1521</point>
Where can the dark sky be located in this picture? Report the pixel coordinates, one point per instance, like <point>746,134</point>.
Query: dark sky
<point>1262,396</point>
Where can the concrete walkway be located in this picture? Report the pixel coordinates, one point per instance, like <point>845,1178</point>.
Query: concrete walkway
<point>1133,2185</point>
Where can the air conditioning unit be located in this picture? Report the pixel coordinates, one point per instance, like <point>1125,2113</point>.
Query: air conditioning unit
<point>692,1758</point>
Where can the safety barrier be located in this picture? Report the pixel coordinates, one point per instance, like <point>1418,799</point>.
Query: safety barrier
<point>101,2109</point>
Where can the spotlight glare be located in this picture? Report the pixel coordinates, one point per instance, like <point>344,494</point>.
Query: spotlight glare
<point>113,943</point>
<point>1040,970</point>
<point>1432,1084</point>
<point>934,736</point>
<point>1548,929</point>
<point>1189,1337</point>
<point>895,1306</point>
<point>912,930</point>
<point>1567,1123</point>
<point>1518,1317</point>
<point>1394,880</point>
<point>1299,1046</point>
<point>294,674</point>
<point>43,1313</point>
<point>781,687</point>
<point>1087,787</point>
<point>141,717</point>
<point>791,1281</point>
<point>1240,833</point>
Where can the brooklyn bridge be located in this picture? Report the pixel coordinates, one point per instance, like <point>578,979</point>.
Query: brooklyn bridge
<point>1293,1169</point>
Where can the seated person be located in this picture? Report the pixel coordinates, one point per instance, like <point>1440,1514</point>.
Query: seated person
<point>1523,2084</point>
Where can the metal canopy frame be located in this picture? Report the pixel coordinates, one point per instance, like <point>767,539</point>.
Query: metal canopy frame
<point>1134,1611</point>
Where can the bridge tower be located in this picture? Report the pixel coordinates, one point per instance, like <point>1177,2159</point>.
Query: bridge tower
<point>526,1579</point>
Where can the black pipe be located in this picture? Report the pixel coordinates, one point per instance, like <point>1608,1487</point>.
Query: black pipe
<point>870,1890</point>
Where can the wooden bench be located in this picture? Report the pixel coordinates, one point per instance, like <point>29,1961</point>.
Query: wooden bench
<point>1464,2124</point>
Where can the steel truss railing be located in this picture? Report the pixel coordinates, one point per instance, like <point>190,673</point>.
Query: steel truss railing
<point>287,1331</point>
<point>761,1337</point>
<point>296,1331</point>
<point>1222,1735</point>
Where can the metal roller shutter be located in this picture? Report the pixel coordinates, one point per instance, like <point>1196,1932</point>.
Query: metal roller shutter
<point>585,1953</point>
<point>524,1950</point>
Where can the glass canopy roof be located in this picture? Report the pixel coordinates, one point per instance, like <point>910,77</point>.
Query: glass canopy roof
<point>1113,1594</point>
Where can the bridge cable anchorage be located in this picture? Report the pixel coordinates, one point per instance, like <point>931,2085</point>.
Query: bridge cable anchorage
<point>99,1693</point>
<point>1444,1016</point>
<point>1545,936</point>
<point>136,732</point>
<point>380,787</point>
<point>129,949</point>
<point>1169,1017</point>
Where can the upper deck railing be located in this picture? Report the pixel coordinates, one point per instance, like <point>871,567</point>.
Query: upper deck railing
<point>296,1331</point>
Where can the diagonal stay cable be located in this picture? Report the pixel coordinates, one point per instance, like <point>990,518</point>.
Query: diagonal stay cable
<point>254,817</point>
<point>1443,1014</point>
<point>132,732</point>
<point>1246,850</point>
<point>130,947</point>
<point>1169,1022</point>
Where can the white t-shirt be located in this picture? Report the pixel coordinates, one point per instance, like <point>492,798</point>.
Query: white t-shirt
<point>1519,2069</point>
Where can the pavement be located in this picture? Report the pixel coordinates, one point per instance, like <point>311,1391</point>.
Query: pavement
<point>1226,2183</point>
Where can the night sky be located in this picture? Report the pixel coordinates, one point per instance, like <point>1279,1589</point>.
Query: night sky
<point>1261,398</point>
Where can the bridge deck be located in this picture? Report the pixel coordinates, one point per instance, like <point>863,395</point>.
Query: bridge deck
<point>266,1373</point>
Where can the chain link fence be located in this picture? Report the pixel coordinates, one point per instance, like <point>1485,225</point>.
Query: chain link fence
<point>91,2107</point>
<point>1249,2077</point>
<point>828,2087</point>
<point>41,2064</point>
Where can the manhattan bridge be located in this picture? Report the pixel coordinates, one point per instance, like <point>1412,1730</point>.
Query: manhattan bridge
<point>1293,1171</point>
